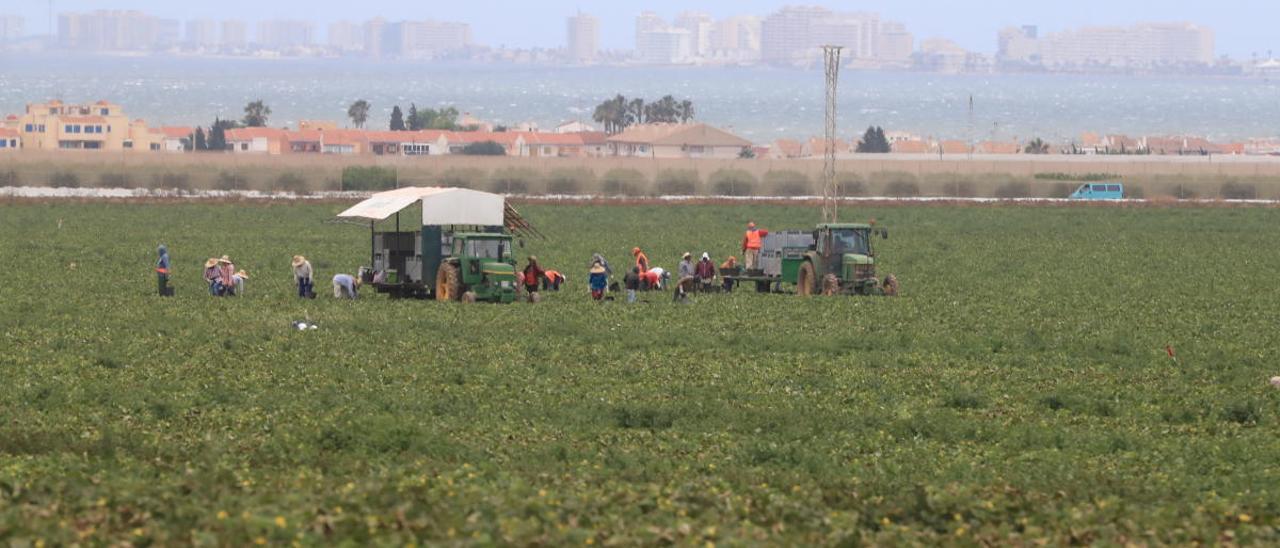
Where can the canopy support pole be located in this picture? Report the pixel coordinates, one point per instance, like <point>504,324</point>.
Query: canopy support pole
<point>373,245</point>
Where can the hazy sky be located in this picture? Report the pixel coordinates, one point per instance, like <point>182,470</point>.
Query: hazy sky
<point>1242,25</point>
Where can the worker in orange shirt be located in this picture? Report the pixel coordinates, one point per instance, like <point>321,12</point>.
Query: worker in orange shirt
<point>642,261</point>
<point>752,242</point>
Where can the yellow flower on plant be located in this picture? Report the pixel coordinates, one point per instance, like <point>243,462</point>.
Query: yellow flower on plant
<point>222,514</point>
<point>1245,518</point>
<point>260,541</point>
<point>281,522</point>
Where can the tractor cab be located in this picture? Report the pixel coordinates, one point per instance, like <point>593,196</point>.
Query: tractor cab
<point>844,251</point>
<point>486,264</point>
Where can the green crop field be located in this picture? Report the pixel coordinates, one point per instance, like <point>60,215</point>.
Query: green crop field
<point>1018,392</point>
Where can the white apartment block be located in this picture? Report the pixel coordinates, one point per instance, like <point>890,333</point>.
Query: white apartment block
<point>583,44</point>
<point>1142,45</point>
<point>201,33</point>
<point>235,34</point>
<point>286,34</point>
<point>12,28</point>
<point>346,36</point>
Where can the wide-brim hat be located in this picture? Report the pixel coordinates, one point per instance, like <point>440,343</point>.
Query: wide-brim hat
<point>597,269</point>
<point>298,260</point>
<point>687,255</point>
<point>212,262</point>
<point>224,259</point>
<point>243,274</point>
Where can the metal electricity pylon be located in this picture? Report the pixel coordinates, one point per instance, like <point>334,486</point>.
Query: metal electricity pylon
<point>830,187</point>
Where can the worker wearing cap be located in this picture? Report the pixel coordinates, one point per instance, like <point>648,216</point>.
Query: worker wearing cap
<point>752,242</point>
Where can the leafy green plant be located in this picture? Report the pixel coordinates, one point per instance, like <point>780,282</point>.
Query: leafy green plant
<point>369,178</point>
<point>732,182</point>
<point>677,182</point>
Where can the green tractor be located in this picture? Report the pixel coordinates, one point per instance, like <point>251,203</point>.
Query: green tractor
<point>835,258</point>
<point>841,260</point>
<point>480,268</point>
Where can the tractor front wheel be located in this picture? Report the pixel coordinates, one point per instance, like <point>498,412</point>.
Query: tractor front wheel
<point>448,283</point>
<point>805,280</point>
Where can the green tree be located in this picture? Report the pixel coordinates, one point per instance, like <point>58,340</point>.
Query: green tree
<point>636,111</point>
<point>413,118</point>
<point>256,114</point>
<point>444,119</point>
<point>684,111</point>
<point>747,153</point>
<point>874,142</point>
<point>201,142</point>
<point>359,113</point>
<point>484,148</point>
<point>397,119</point>
<point>1037,146</point>
<point>612,114</point>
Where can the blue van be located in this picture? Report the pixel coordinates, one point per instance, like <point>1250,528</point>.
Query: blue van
<point>1099,191</point>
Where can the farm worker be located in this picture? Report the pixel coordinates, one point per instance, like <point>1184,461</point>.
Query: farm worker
<point>532,274</point>
<point>346,286</point>
<point>162,270</point>
<point>688,273</point>
<point>227,276</point>
<point>632,283</point>
<point>730,264</point>
<point>552,280</point>
<point>239,278</point>
<point>656,278</point>
<point>302,276</point>
<point>706,272</point>
<point>752,242</point>
<point>211,274</point>
<point>642,260</point>
<point>599,280</point>
<point>598,258</point>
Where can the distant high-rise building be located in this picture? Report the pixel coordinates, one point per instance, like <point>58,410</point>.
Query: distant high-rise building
<point>665,47</point>
<point>202,33</point>
<point>699,26</point>
<point>795,34</point>
<point>346,36</point>
<point>895,44</point>
<point>11,28</point>
<point>646,22</point>
<point>424,39</point>
<point>105,30</point>
<point>235,34</point>
<point>736,34</point>
<point>286,34</point>
<point>1018,45</point>
<point>583,38</point>
<point>373,39</point>
<point>1142,45</point>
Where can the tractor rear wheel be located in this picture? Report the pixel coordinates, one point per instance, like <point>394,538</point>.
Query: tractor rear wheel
<point>448,283</point>
<point>805,280</point>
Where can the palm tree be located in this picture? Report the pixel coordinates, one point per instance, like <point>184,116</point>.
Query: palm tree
<point>636,113</point>
<point>359,113</point>
<point>1037,146</point>
<point>256,114</point>
<point>612,114</point>
<point>685,111</point>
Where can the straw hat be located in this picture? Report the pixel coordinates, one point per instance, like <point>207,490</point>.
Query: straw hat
<point>212,262</point>
<point>243,274</point>
<point>224,260</point>
<point>687,255</point>
<point>298,260</point>
<point>597,269</point>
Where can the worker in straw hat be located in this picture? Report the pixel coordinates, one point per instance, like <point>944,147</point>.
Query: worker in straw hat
<point>227,276</point>
<point>238,278</point>
<point>211,274</point>
<point>302,273</point>
<point>598,280</point>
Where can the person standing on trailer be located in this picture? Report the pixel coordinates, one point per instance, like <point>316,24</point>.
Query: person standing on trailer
<point>752,243</point>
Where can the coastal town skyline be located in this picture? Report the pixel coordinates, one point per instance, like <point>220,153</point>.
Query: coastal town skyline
<point>707,33</point>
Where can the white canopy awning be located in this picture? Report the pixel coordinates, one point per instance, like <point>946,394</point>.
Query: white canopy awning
<point>440,206</point>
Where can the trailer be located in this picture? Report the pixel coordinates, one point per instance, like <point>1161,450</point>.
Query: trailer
<point>464,249</point>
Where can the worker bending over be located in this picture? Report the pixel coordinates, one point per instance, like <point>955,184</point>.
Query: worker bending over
<point>346,286</point>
